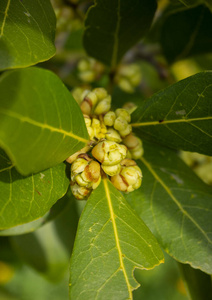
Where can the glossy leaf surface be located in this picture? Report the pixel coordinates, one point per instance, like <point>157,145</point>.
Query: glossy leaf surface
<point>113,26</point>
<point>24,199</point>
<point>179,116</point>
<point>187,33</point>
<point>39,120</point>
<point>176,205</point>
<point>27,30</point>
<point>111,242</point>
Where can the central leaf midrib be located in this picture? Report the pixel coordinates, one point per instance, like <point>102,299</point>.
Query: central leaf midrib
<point>24,119</point>
<point>164,122</point>
<point>166,188</point>
<point>112,215</point>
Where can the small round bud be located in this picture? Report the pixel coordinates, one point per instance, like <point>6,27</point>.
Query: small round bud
<point>113,135</point>
<point>109,118</point>
<point>103,106</point>
<point>83,65</point>
<point>125,85</point>
<point>126,131</point>
<point>121,112</point>
<point>101,93</point>
<point>78,166</point>
<point>87,76</point>
<point>109,153</point>
<point>134,145</point>
<point>80,192</point>
<point>120,123</point>
<point>129,178</point>
<point>79,93</point>
<point>111,170</point>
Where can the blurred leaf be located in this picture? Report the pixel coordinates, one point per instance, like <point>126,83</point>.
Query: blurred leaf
<point>111,242</point>
<point>187,33</point>
<point>55,210</point>
<point>24,199</point>
<point>176,205</point>
<point>48,249</point>
<point>39,120</point>
<point>112,27</point>
<point>191,3</point>
<point>179,116</point>
<point>198,283</point>
<point>27,30</point>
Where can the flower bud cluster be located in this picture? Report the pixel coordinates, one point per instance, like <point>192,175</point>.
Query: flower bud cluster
<point>114,146</point>
<point>128,77</point>
<point>89,70</point>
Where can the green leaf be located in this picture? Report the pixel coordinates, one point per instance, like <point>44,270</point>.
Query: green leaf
<point>55,210</point>
<point>24,199</point>
<point>48,249</point>
<point>111,242</point>
<point>176,205</point>
<point>187,33</point>
<point>197,282</point>
<point>39,120</point>
<point>179,116</point>
<point>113,26</point>
<point>27,30</point>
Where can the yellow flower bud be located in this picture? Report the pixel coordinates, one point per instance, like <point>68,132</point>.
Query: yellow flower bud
<point>78,167</point>
<point>80,192</point>
<point>111,170</point>
<point>87,76</point>
<point>126,131</point>
<point>103,106</point>
<point>101,93</point>
<point>120,123</point>
<point>109,118</point>
<point>113,135</point>
<point>125,85</point>
<point>129,178</point>
<point>109,153</point>
<point>121,112</point>
<point>134,145</point>
<point>83,65</point>
<point>99,129</point>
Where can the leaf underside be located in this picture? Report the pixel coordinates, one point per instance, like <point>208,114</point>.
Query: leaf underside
<point>27,30</point>
<point>176,205</point>
<point>111,242</point>
<point>39,120</point>
<point>179,116</point>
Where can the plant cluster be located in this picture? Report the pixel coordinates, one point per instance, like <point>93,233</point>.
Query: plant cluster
<point>120,96</point>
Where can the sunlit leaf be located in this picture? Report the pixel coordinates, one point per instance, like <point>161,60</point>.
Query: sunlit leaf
<point>111,242</point>
<point>179,116</point>
<point>27,30</point>
<point>39,120</point>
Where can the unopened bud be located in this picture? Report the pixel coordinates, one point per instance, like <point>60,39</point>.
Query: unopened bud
<point>99,129</point>
<point>126,131</point>
<point>121,112</point>
<point>80,192</point>
<point>103,106</point>
<point>101,93</point>
<point>113,135</point>
<point>111,170</point>
<point>109,118</point>
<point>129,178</point>
<point>134,145</point>
<point>109,153</point>
<point>120,123</point>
